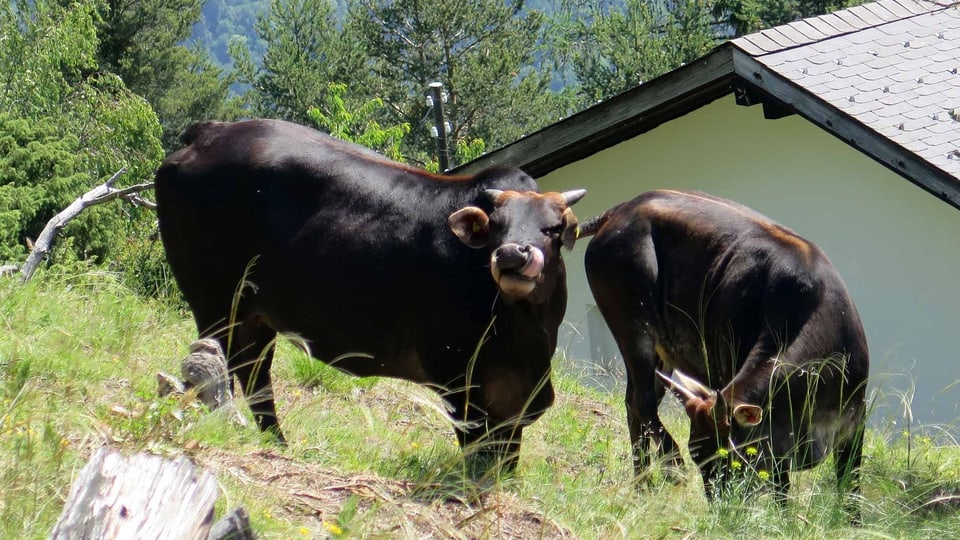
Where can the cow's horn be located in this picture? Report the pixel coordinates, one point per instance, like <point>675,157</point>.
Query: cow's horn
<point>493,194</point>
<point>693,385</point>
<point>677,387</point>
<point>573,196</point>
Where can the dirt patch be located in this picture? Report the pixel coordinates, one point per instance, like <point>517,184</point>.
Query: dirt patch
<point>385,507</point>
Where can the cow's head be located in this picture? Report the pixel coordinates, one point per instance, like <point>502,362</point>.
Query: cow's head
<point>523,233</point>
<point>723,431</point>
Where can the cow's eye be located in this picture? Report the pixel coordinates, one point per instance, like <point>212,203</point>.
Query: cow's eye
<point>552,231</point>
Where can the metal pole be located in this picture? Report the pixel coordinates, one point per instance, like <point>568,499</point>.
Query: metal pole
<point>443,154</point>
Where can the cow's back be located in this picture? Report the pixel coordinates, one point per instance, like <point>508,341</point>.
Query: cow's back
<point>341,246</point>
<point>712,276</point>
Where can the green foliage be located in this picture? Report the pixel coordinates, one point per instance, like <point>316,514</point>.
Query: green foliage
<point>746,16</point>
<point>67,127</point>
<point>499,62</point>
<point>38,169</point>
<point>43,169</point>
<point>370,68</point>
<point>359,125</point>
<point>142,263</point>
<point>141,42</point>
<point>196,90</point>
<point>482,52</point>
<point>615,48</point>
<point>305,52</point>
<point>225,20</point>
<point>41,62</point>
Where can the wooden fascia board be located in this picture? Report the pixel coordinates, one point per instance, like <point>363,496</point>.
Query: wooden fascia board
<point>617,119</point>
<point>886,152</point>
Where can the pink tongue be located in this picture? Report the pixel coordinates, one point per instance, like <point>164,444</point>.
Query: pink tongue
<point>534,264</point>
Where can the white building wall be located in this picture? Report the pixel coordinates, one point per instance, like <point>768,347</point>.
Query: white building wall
<point>896,246</point>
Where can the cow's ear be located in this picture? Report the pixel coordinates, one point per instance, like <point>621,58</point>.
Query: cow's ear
<point>747,415</point>
<point>571,229</point>
<point>471,225</point>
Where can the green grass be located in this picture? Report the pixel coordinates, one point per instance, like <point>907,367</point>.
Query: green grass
<point>377,458</point>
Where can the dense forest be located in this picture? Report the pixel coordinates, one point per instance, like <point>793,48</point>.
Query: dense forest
<point>88,87</point>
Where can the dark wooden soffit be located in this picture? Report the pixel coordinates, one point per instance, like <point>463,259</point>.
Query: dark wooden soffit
<point>617,119</point>
<point>888,153</point>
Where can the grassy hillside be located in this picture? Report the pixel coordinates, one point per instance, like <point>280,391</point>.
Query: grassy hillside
<point>376,458</point>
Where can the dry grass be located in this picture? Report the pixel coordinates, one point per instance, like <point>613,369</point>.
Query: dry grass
<point>315,497</point>
<point>377,459</point>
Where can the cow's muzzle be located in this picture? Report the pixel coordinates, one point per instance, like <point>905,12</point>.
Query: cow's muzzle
<point>517,268</point>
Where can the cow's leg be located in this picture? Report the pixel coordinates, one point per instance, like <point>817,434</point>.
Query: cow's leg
<point>644,392</point>
<point>623,272</point>
<point>250,358</point>
<point>502,444</point>
<point>489,440</point>
<point>781,483</point>
<point>848,457</point>
<point>469,423</point>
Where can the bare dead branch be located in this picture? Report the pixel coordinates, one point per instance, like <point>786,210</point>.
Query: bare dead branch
<point>99,195</point>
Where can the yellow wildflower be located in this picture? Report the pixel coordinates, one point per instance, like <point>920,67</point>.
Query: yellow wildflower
<point>333,528</point>
<point>723,452</point>
<point>735,465</point>
<point>764,475</point>
<point>751,451</point>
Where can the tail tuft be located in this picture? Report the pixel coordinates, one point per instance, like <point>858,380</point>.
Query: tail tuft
<point>592,225</point>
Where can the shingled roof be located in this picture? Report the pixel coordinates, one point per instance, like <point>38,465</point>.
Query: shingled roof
<point>884,77</point>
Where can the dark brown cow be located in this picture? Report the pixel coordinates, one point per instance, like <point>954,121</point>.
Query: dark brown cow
<point>764,342</point>
<point>381,268</point>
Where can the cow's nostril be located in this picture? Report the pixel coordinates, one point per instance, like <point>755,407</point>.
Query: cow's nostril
<point>510,257</point>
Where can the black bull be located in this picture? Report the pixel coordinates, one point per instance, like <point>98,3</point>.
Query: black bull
<point>767,350</point>
<point>386,269</point>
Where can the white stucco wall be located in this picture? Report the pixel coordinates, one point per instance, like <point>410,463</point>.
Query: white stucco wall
<point>896,246</point>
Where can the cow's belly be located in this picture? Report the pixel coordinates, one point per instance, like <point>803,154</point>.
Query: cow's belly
<point>367,338</point>
<point>685,350</point>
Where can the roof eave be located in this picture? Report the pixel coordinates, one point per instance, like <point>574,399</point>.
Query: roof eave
<point>686,89</point>
<point>617,119</point>
<point>883,150</point>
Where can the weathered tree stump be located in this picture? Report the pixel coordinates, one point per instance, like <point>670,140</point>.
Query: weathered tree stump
<point>204,370</point>
<point>233,526</point>
<point>146,497</point>
<point>142,496</point>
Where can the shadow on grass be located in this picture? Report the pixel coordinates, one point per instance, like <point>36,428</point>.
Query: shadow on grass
<point>447,474</point>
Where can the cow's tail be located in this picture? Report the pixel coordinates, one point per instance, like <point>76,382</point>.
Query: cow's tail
<point>592,225</point>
